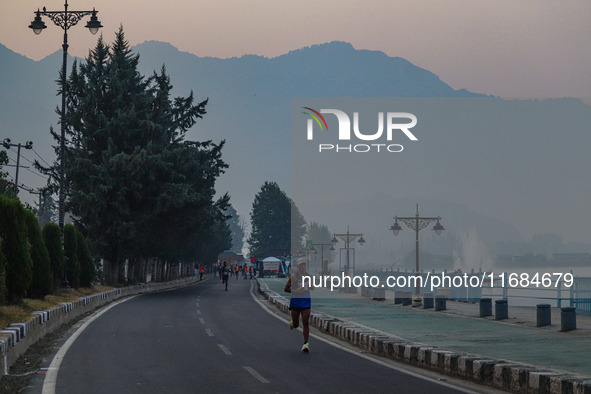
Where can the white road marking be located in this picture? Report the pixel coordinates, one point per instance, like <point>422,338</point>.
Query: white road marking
<point>208,331</point>
<point>50,380</point>
<point>198,311</point>
<point>367,357</point>
<point>256,375</point>
<point>225,349</point>
<point>201,320</point>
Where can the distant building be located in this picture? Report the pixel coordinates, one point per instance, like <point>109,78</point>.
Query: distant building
<point>230,258</point>
<point>279,253</point>
<point>572,259</point>
<point>505,260</point>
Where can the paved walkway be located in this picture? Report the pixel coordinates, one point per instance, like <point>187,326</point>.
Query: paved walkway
<point>459,328</point>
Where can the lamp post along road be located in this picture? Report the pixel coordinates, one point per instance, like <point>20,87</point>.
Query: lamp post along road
<point>347,238</point>
<point>64,19</point>
<point>323,270</point>
<point>417,223</point>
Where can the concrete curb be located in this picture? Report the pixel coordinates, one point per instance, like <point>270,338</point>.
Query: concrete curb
<point>17,337</point>
<point>510,376</point>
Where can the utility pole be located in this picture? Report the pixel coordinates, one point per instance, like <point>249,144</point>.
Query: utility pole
<point>7,144</point>
<point>40,193</point>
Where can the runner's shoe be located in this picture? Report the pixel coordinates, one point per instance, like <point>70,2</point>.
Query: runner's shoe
<point>306,348</point>
<point>291,324</point>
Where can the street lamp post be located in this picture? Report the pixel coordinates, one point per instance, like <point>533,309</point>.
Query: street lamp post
<point>323,269</point>
<point>308,249</point>
<point>64,19</point>
<point>347,238</point>
<point>417,223</point>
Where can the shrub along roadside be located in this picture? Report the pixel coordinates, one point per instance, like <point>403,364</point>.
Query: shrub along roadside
<point>53,242</point>
<point>71,254</point>
<point>42,281</point>
<point>33,262</point>
<point>21,312</point>
<point>15,246</point>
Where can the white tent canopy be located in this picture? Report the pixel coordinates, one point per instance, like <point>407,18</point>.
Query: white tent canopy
<point>272,264</point>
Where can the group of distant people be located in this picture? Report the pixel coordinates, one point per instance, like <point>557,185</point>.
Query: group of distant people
<point>226,270</point>
<point>300,300</point>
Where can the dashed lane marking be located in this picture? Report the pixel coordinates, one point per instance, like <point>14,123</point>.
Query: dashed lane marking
<point>256,375</point>
<point>225,349</point>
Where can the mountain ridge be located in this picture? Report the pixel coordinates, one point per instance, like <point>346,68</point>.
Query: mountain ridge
<point>249,105</point>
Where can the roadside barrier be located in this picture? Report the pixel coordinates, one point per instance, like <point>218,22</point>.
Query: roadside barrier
<point>568,319</point>
<point>505,375</point>
<point>543,315</point>
<point>17,337</point>
<point>485,307</point>
<point>501,310</point>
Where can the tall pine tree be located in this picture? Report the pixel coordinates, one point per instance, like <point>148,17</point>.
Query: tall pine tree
<point>52,237</point>
<point>71,255</point>
<point>276,221</point>
<point>136,187</point>
<point>236,229</point>
<point>87,268</point>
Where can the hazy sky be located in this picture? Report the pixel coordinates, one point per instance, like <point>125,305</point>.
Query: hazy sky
<point>525,48</point>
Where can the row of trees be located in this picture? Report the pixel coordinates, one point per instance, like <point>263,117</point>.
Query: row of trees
<point>278,224</point>
<point>136,187</point>
<point>33,261</point>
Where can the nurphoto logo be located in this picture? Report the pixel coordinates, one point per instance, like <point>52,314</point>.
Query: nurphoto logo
<point>394,124</point>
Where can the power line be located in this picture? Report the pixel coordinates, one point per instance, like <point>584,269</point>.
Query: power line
<point>21,186</point>
<point>35,173</point>
<point>7,144</point>
<point>26,168</point>
<point>27,159</point>
<point>42,159</point>
<point>31,171</point>
<point>41,193</point>
<point>11,159</point>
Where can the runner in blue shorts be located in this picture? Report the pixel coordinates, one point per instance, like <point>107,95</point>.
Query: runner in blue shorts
<point>300,302</point>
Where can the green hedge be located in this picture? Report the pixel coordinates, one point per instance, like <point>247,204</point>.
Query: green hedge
<point>71,254</point>
<point>87,268</point>
<point>42,283</point>
<point>15,246</point>
<point>53,241</point>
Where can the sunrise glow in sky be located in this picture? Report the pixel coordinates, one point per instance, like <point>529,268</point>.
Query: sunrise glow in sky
<point>526,48</point>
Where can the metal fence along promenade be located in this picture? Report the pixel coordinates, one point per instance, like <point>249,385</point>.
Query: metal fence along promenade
<point>460,328</point>
<point>555,289</point>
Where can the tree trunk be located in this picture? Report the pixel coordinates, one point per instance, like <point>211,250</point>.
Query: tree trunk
<point>121,276</point>
<point>111,272</point>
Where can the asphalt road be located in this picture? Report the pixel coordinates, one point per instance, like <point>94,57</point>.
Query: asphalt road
<point>204,339</point>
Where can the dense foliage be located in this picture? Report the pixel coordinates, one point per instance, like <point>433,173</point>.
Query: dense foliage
<point>53,241</point>
<point>87,268</point>
<point>71,255</point>
<point>15,246</point>
<point>276,221</point>
<point>42,281</point>
<point>136,187</point>
<point>236,229</point>
<point>7,187</point>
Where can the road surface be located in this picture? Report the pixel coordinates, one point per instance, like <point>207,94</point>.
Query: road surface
<point>203,339</point>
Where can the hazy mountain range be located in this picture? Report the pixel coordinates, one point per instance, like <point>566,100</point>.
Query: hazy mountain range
<point>250,107</point>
